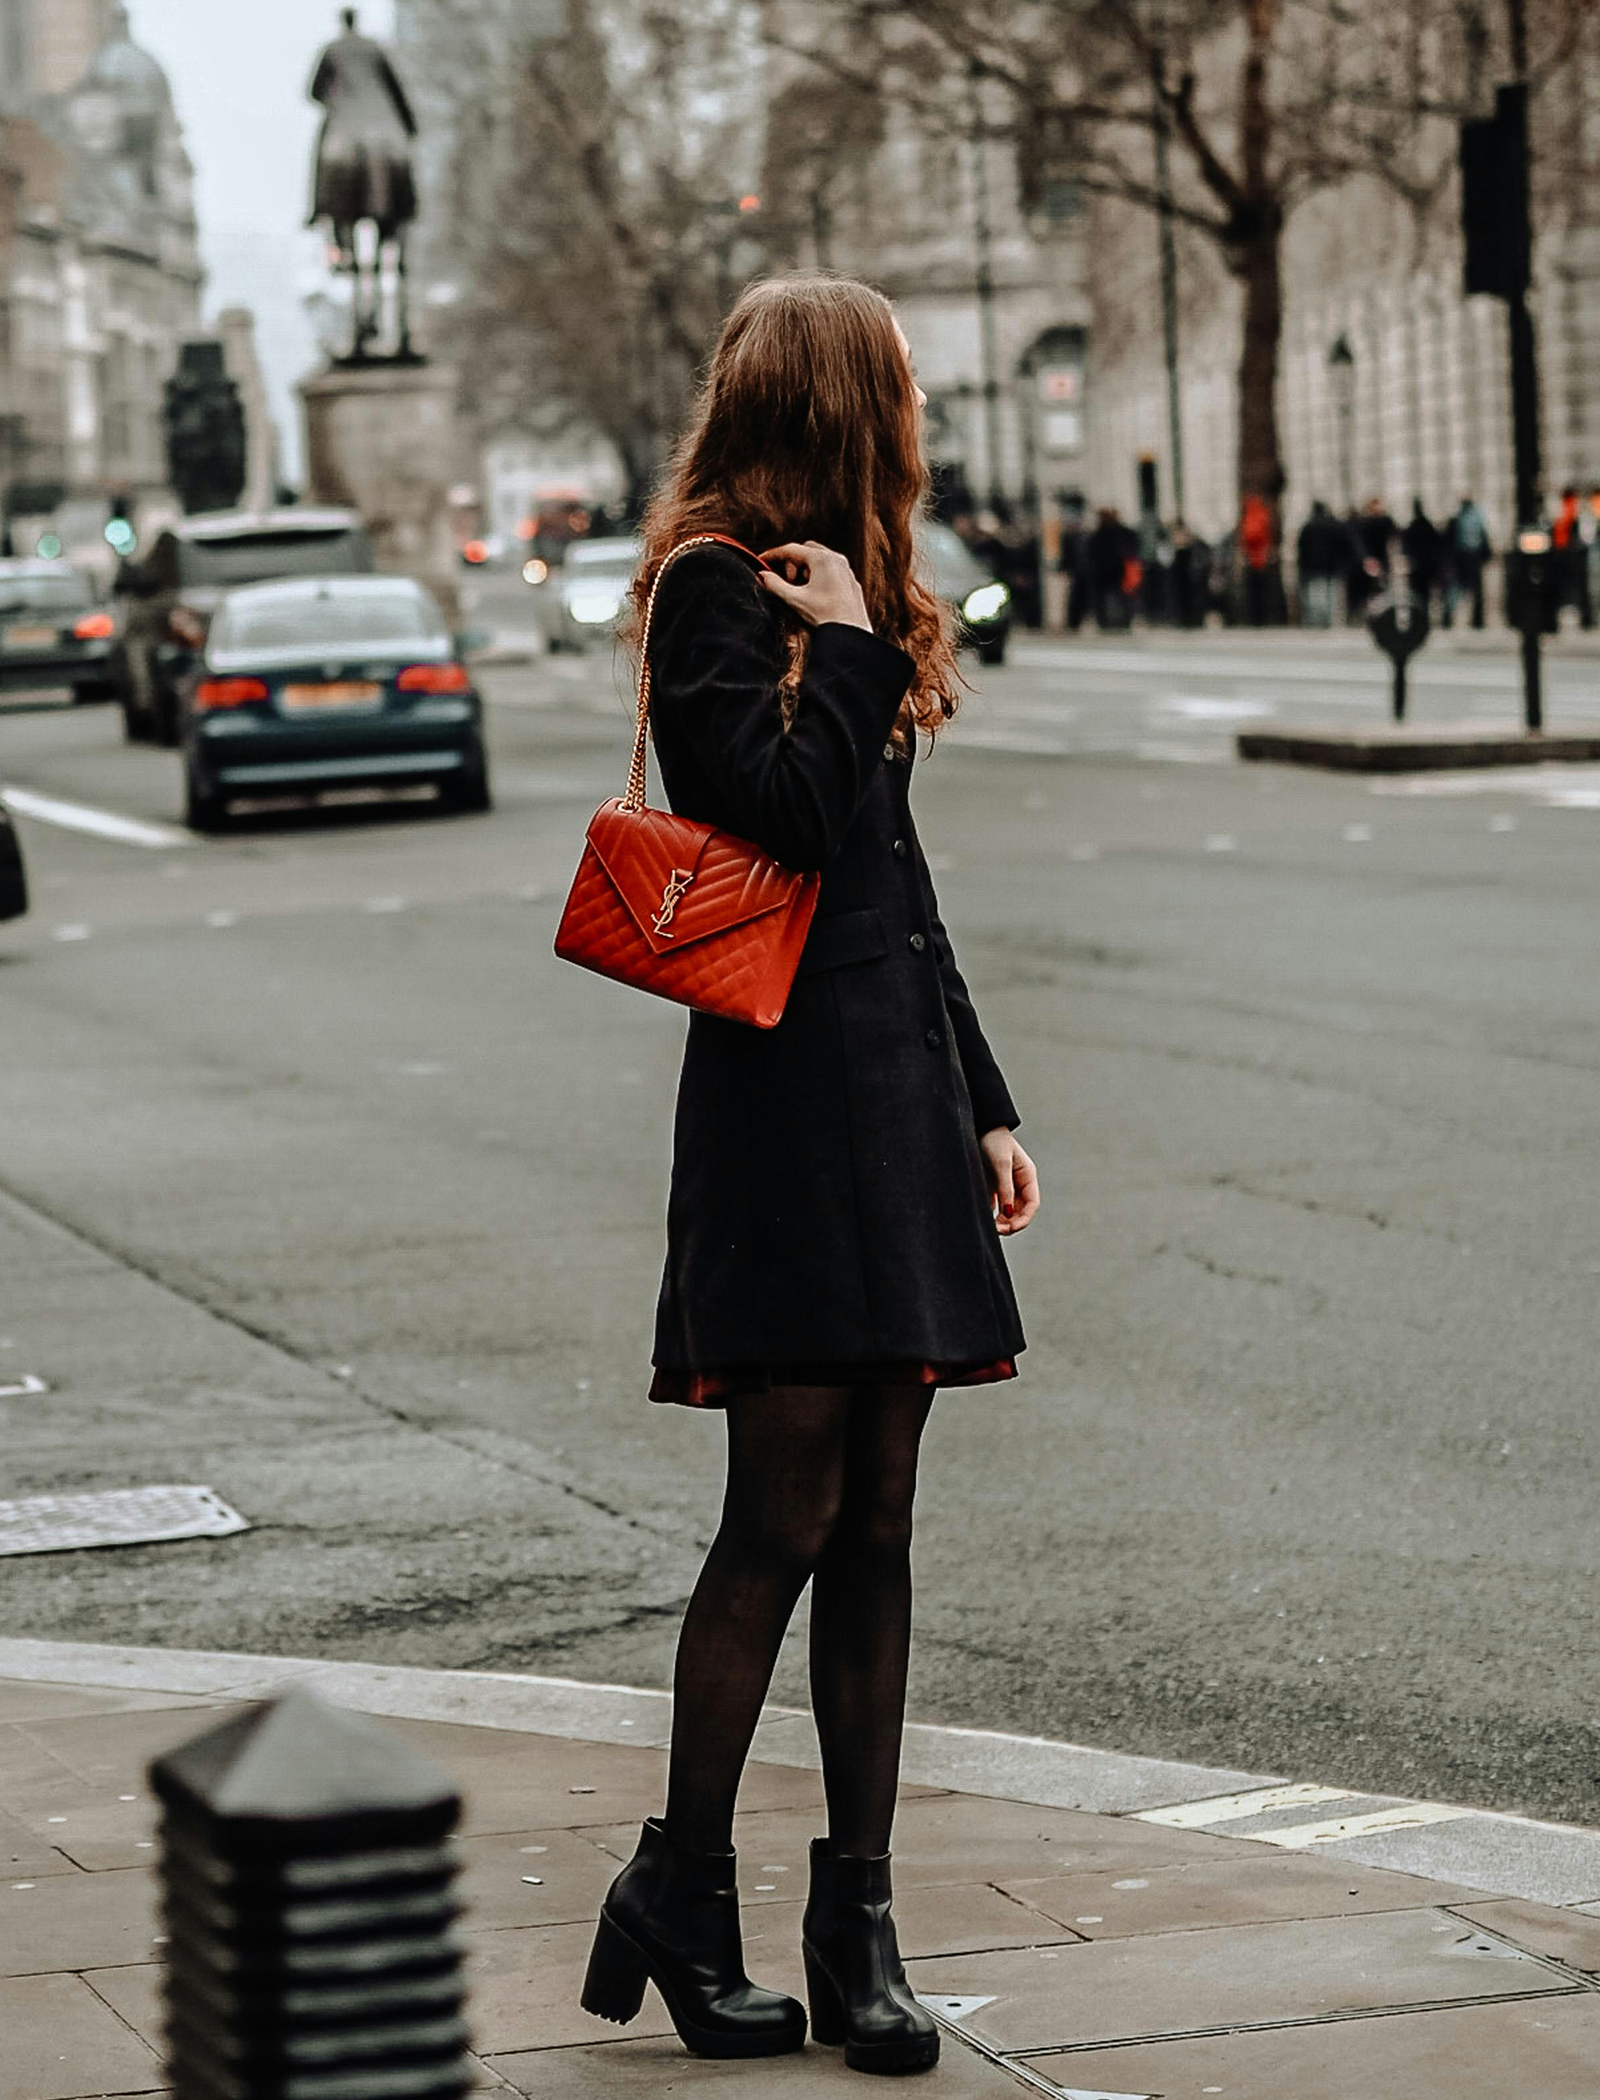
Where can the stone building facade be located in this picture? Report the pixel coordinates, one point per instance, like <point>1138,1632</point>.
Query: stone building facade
<point>1421,407</point>
<point>100,276</point>
<point>928,218</point>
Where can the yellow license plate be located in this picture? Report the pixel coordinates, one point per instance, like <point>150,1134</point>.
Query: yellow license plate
<point>30,637</point>
<point>349,692</point>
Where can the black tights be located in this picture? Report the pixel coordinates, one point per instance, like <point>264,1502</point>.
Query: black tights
<point>820,1487</point>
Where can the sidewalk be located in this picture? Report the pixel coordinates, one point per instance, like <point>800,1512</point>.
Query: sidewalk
<point>1123,1949</point>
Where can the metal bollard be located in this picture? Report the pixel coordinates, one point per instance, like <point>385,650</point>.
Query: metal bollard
<point>308,1882</point>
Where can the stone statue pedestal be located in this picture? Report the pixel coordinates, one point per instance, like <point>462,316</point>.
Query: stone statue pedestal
<point>382,440</point>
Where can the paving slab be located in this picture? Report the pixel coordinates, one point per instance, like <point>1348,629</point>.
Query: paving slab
<point>55,1702</point>
<point>1207,1892</point>
<point>1022,1768</point>
<point>1543,2049</point>
<point>511,1781</point>
<point>533,1877</point>
<point>1242,1975</point>
<point>61,2042</point>
<point>525,1987</point>
<point>967,1838</point>
<point>81,1921</point>
<point>1570,1937</point>
<point>644,2069</point>
<point>1501,1855</point>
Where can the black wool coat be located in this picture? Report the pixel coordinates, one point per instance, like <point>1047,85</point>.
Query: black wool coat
<point>829,1201</point>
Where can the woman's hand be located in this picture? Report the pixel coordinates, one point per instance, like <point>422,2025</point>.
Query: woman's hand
<point>1014,1179</point>
<point>817,582</point>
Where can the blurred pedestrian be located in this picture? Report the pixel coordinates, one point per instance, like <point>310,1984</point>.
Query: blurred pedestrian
<point>1112,553</point>
<point>1423,545</point>
<point>1567,552</point>
<point>1470,552</point>
<point>1191,562</point>
<point>1319,565</point>
<point>841,1182</point>
<point>1255,550</point>
<point>1589,534</point>
<point>1073,563</point>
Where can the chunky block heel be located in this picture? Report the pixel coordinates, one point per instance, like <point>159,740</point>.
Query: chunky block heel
<point>671,1918</point>
<point>613,1985</point>
<point>827,2007</point>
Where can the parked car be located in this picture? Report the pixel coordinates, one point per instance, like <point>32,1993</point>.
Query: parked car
<point>329,682</point>
<point>13,875</point>
<point>981,604</point>
<point>171,594</point>
<point>579,599</point>
<point>51,630</point>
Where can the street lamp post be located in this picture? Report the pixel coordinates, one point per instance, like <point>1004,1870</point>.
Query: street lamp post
<point>983,234</point>
<point>1169,273</point>
<point>1342,366</point>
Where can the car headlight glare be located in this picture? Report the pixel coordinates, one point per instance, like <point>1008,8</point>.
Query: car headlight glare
<point>594,608</point>
<point>987,600</point>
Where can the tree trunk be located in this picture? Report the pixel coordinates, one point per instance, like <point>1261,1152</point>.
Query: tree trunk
<point>1258,265</point>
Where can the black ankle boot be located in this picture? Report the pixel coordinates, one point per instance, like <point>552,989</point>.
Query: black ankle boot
<point>672,1915</point>
<point>858,1989</point>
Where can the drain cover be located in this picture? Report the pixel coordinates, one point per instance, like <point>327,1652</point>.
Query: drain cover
<point>116,1517</point>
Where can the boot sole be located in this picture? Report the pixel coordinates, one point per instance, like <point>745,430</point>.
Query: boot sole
<point>613,1989</point>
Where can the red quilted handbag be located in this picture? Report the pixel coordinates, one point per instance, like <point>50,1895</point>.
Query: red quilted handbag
<point>679,908</point>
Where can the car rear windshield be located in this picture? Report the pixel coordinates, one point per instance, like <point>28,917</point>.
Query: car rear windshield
<point>42,594</point>
<point>258,557</point>
<point>360,619</point>
<point>950,562</point>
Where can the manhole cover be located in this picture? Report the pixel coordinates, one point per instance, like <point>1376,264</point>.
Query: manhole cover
<point>115,1517</point>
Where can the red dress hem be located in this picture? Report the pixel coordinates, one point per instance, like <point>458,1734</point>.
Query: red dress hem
<point>716,1388</point>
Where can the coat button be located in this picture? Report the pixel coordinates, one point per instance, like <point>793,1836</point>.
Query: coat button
<point>933,1039</point>
<point>918,943</point>
<point>890,752</point>
<point>900,849</point>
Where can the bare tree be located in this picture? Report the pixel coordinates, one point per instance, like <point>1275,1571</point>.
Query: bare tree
<point>1266,103</point>
<point>614,227</point>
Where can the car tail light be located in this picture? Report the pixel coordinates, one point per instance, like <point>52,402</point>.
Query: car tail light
<point>476,552</point>
<point>229,692</point>
<point>186,626</point>
<point>94,627</point>
<point>434,678</point>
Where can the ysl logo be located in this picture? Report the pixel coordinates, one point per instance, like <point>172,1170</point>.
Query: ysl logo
<point>671,898</point>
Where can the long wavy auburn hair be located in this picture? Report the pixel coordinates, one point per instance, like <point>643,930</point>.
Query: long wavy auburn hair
<point>807,428</point>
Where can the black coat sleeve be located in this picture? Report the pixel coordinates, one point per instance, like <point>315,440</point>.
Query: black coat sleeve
<point>715,665</point>
<point>992,1105</point>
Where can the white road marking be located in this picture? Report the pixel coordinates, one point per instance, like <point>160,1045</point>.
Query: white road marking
<point>1196,707</point>
<point>14,1389</point>
<point>99,823</point>
<point>1234,1808</point>
<point>1415,1815</point>
<point>73,932</point>
<point>1566,787</point>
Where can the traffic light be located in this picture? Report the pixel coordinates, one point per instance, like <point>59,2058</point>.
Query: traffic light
<point>118,531</point>
<point>1494,198</point>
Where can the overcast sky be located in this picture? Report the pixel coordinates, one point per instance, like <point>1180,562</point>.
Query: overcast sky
<point>239,70</point>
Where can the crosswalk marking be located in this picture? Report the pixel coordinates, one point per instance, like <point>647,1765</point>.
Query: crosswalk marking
<point>1234,1808</point>
<point>1411,1815</point>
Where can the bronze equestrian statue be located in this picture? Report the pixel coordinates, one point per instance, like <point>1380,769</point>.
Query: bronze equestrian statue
<point>363,171</point>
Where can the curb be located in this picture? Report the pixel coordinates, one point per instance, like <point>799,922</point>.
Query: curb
<point>1502,1855</point>
<point>1423,748</point>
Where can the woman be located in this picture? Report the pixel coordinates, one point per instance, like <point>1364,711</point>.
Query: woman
<point>840,1183</point>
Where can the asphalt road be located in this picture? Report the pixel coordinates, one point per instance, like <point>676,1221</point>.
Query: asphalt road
<point>326,1185</point>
